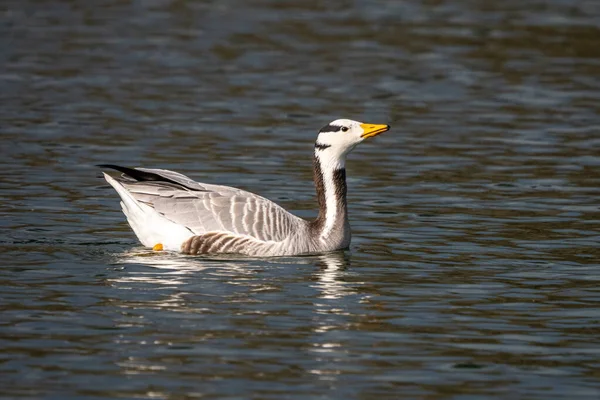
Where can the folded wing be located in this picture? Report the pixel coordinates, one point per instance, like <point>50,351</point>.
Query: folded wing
<point>208,208</point>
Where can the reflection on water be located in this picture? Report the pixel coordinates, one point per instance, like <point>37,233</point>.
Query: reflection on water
<point>473,270</point>
<point>173,283</point>
<point>330,278</point>
<point>170,269</point>
<point>332,286</point>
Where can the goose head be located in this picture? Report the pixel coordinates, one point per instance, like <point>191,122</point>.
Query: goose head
<point>340,137</point>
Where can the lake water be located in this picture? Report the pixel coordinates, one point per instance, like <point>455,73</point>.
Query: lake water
<point>474,269</point>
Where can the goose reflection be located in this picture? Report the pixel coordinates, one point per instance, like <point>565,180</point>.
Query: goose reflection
<point>333,314</point>
<point>330,276</point>
<point>330,303</point>
<point>260,302</point>
<point>176,282</point>
<point>174,269</point>
<point>171,270</point>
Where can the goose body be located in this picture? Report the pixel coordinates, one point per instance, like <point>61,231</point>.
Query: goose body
<point>168,210</point>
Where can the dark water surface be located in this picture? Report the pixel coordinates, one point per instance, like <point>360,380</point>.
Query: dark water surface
<point>474,269</point>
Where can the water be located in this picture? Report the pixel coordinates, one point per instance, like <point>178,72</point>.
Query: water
<point>474,266</point>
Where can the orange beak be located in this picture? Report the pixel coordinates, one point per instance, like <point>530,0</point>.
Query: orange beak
<point>371,130</point>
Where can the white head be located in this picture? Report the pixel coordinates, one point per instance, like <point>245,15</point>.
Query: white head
<point>340,137</point>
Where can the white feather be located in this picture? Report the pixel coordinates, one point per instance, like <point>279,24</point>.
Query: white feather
<point>149,226</point>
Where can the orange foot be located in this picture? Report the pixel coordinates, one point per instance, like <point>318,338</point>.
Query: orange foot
<point>158,247</point>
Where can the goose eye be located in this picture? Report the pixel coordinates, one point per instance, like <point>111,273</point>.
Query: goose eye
<point>344,129</point>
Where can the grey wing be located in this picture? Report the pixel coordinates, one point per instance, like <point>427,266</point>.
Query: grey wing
<point>210,208</point>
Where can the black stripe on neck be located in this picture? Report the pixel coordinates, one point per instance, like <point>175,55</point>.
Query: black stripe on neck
<point>330,128</point>
<point>319,184</point>
<point>321,146</point>
<point>339,183</point>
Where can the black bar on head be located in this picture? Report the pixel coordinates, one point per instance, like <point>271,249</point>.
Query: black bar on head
<point>330,128</point>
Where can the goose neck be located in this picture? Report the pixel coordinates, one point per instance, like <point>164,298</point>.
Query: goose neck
<point>330,183</point>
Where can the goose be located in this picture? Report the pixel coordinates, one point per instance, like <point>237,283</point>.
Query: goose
<point>169,211</point>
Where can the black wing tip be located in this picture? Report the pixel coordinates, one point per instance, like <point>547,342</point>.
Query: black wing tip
<point>125,170</point>
<point>143,176</point>
<point>111,166</point>
<point>140,176</point>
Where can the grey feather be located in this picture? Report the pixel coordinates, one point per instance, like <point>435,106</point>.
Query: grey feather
<point>214,208</point>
